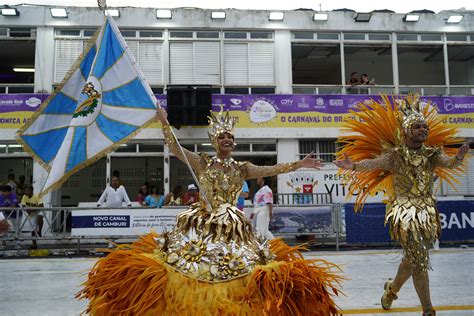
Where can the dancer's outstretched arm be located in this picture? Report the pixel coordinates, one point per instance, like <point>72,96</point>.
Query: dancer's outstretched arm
<point>445,161</point>
<point>382,162</point>
<point>252,171</point>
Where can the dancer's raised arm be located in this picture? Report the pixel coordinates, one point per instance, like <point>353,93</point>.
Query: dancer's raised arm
<point>194,159</point>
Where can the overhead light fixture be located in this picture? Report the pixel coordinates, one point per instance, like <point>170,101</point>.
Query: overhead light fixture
<point>58,12</point>
<point>10,12</point>
<point>276,16</point>
<point>320,17</point>
<point>23,69</point>
<point>454,19</point>
<point>113,13</point>
<point>163,14</point>
<point>363,17</point>
<point>218,15</point>
<point>410,17</point>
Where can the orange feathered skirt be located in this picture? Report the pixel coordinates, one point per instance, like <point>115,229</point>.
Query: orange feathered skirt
<point>131,281</point>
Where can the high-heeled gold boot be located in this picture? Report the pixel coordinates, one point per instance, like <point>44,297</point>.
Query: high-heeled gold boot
<point>388,296</point>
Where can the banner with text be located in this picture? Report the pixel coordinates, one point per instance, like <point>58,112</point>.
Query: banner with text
<point>270,111</point>
<point>457,222</point>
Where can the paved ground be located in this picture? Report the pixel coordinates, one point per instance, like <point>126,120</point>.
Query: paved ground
<point>47,286</point>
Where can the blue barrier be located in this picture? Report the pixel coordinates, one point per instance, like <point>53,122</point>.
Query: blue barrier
<point>457,222</point>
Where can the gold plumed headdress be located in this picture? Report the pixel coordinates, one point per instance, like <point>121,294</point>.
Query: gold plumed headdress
<point>410,112</point>
<point>218,124</point>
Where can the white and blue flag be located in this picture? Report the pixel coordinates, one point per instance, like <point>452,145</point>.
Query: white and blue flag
<point>102,102</point>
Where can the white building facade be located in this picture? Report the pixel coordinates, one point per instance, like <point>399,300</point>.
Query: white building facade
<point>247,55</point>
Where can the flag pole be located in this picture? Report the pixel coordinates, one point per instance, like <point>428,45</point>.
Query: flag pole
<point>103,6</point>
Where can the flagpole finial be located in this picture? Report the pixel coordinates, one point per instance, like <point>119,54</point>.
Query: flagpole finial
<point>102,4</point>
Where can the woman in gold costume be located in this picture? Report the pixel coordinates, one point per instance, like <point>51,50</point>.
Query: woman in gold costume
<point>211,263</point>
<point>399,148</point>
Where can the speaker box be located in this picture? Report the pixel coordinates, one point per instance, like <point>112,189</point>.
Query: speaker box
<point>188,104</point>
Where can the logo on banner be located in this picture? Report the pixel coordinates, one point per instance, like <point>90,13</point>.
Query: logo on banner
<point>262,111</point>
<point>302,183</point>
<point>448,105</point>
<point>33,102</point>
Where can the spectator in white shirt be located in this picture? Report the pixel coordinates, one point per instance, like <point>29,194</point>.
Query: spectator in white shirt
<point>114,195</point>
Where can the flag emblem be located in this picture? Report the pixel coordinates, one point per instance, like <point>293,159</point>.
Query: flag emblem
<point>89,99</point>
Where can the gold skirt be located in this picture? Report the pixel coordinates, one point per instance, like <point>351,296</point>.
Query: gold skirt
<point>134,280</point>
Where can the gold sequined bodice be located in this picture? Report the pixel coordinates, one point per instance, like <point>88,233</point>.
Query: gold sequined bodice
<point>222,185</point>
<point>412,169</point>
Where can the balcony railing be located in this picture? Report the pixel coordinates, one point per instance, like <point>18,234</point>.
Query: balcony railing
<point>428,90</point>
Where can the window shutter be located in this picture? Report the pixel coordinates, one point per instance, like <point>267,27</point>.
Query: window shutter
<point>66,53</point>
<point>207,63</point>
<point>181,63</point>
<point>236,64</point>
<point>133,46</point>
<point>261,64</point>
<point>151,61</point>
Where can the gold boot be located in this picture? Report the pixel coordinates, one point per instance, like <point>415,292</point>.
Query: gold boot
<point>388,296</point>
<point>431,312</point>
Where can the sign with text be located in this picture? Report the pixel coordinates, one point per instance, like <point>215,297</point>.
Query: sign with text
<point>269,111</point>
<point>457,222</point>
<point>122,222</point>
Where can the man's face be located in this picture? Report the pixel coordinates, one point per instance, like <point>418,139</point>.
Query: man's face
<point>419,131</point>
<point>29,192</point>
<point>115,182</point>
<point>260,181</point>
<point>355,76</point>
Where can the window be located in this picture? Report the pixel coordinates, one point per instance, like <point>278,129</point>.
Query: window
<point>354,36</point>
<point>89,33</point>
<point>316,63</point>
<point>264,147</point>
<point>181,34</point>
<point>457,37</point>
<point>153,34</point>
<point>68,32</point>
<point>235,35</point>
<point>236,90</point>
<point>303,35</point>
<point>430,37</point>
<point>207,35</point>
<point>407,37</point>
<point>249,63</point>
<point>3,31</point>
<point>66,53</point>
<point>379,37</point>
<point>196,62</point>
<point>328,36</point>
<point>261,35</point>
<point>324,149</point>
<point>262,90</point>
<point>126,33</point>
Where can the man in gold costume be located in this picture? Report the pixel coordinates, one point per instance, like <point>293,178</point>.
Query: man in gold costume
<point>411,210</point>
<point>211,263</point>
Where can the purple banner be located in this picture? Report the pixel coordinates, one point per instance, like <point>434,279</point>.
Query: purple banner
<point>21,102</point>
<point>282,103</point>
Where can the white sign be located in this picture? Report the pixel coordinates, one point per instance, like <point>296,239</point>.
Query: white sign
<point>123,222</point>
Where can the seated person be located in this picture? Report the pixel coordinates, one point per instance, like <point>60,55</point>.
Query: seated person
<point>154,199</point>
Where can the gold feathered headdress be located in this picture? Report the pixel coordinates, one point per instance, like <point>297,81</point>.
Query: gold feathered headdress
<point>219,124</point>
<point>410,112</point>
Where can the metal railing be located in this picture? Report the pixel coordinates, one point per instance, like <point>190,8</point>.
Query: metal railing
<point>426,90</point>
<point>57,222</point>
<point>17,88</point>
